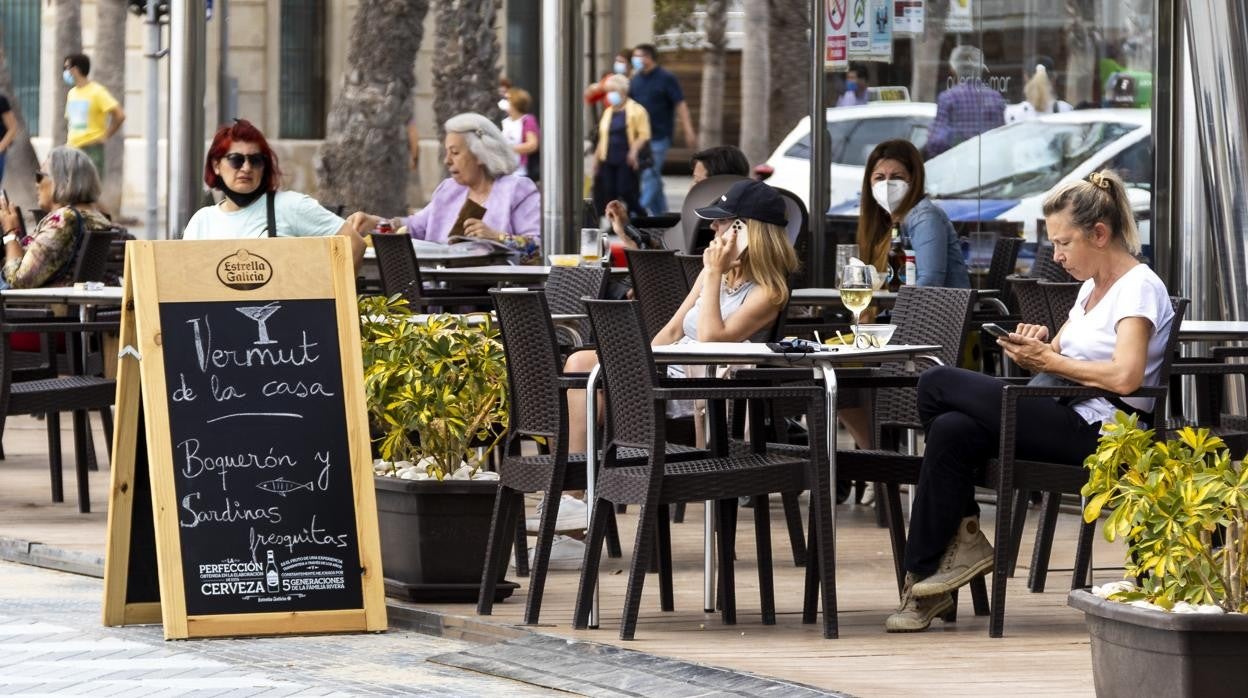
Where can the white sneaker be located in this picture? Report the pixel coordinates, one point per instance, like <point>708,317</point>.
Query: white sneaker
<point>571,517</point>
<point>566,553</point>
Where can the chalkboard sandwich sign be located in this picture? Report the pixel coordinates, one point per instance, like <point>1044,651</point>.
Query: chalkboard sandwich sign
<point>246,376</point>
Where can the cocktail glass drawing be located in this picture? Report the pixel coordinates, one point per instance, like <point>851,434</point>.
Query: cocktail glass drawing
<point>261,313</point>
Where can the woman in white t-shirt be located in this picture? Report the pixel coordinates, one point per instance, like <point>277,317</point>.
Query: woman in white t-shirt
<point>241,165</point>
<point>1114,339</point>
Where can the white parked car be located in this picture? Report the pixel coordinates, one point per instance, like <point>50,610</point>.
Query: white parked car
<point>1007,172</point>
<point>854,132</point>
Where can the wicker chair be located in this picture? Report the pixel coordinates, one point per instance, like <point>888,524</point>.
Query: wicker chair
<point>400,274</point>
<point>51,396</point>
<point>538,398</point>
<point>637,400</point>
<point>1012,476</point>
<point>692,266</point>
<point>566,287</point>
<point>1047,268</point>
<point>1004,259</point>
<point>1060,297</point>
<point>658,284</point>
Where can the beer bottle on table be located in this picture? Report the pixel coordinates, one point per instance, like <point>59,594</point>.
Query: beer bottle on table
<point>896,262</point>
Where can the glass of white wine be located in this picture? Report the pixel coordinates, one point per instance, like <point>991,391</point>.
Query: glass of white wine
<point>856,291</point>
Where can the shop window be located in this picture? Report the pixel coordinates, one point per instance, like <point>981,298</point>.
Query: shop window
<point>302,80</point>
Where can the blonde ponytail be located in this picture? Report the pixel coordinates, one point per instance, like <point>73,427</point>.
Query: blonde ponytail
<point>1099,198</point>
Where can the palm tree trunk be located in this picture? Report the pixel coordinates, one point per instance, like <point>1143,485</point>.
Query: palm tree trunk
<point>711,109</point>
<point>20,163</point>
<point>109,69</point>
<point>755,69</point>
<point>465,68</point>
<point>790,68</point>
<point>68,40</point>
<point>360,164</point>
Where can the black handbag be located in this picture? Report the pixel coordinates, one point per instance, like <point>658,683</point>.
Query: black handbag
<point>645,157</point>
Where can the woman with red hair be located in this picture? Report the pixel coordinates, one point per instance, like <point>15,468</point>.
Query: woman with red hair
<point>244,168</point>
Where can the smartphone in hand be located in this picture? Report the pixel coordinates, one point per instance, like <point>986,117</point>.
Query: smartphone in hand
<point>996,330</point>
<point>4,199</point>
<point>741,236</point>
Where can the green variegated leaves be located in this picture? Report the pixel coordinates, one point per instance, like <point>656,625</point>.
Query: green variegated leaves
<point>1170,500</point>
<point>441,378</point>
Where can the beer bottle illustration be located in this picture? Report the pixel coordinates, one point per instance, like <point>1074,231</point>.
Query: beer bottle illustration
<point>272,580</point>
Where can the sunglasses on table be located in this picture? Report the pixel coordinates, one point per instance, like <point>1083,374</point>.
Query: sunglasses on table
<point>236,160</point>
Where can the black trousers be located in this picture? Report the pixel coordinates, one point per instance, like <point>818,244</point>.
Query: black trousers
<point>618,182</point>
<point>961,415</point>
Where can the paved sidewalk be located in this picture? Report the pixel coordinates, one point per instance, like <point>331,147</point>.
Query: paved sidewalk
<point>51,642</point>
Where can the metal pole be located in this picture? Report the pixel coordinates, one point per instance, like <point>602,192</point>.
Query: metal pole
<point>561,142</point>
<point>818,146</point>
<point>154,54</point>
<point>225,102</point>
<point>188,31</point>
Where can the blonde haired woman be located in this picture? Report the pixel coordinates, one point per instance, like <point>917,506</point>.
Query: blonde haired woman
<point>742,289</point>
<point>1038,99</point>
<point>1114,338</point>
<point>623,134</point>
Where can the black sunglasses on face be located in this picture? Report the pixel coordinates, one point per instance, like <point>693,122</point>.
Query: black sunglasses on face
<point>236,160</point>
<point>39,175</point>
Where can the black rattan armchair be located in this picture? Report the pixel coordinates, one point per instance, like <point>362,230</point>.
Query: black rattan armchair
<point>400,274</point>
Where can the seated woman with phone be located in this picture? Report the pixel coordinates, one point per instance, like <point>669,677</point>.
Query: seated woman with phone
<point>1114,339</point>
<point>68,187</point>
<point>481,199</point>
<point>743,287</point>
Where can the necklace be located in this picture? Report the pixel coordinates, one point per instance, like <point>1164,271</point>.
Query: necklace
<point>731,289</point>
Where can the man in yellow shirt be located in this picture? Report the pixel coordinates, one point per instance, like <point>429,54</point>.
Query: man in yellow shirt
<point>93,115</point>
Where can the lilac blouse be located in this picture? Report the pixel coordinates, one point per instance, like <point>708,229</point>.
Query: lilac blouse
<point>513,208</point>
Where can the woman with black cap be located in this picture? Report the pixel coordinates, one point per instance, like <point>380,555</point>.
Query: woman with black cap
<point>743,287</point>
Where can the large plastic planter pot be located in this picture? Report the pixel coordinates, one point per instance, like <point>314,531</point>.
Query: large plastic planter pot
<point>433,538</point>
<point>1141,652</point>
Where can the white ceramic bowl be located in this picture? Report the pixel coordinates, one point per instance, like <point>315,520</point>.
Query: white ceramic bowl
<point>878,335</point>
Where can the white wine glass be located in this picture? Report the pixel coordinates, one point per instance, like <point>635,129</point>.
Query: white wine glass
<point>856,291</point>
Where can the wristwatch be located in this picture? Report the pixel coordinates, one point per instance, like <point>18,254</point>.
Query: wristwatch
<point>9,237</point>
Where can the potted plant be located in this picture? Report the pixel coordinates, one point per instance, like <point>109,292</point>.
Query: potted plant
<point>436,391</point>
<point>1181,506</point>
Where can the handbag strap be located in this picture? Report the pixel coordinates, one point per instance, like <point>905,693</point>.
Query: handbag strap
<point>270,214</point>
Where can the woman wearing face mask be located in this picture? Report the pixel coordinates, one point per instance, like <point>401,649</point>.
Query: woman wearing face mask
<point>596,93</point>
<point>623,132</point>
<point>893,197</point>
<point>520,127</point>
<point>241,165</point>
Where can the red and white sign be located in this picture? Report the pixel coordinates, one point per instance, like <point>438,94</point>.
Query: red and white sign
<point>835,53</point>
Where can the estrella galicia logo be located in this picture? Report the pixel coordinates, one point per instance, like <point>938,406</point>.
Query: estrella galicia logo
<point>244,271</point>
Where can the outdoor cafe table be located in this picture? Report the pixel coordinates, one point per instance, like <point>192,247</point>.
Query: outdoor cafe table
<point>710,353</point>
<point>523,275</point>
<point>1213,330</point>
<point>832,296</point>
<point>446,255</point>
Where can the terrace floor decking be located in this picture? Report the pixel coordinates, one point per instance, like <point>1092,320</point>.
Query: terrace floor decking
<point>1044,651</point>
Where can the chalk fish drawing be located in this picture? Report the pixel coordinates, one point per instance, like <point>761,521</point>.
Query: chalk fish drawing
<point>283,486</point>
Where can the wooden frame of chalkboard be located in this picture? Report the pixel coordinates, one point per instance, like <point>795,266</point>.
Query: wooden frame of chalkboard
<point>247,378</point>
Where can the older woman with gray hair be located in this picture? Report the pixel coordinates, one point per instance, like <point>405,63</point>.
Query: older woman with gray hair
<point>68,187</point>
<point>481,198</point>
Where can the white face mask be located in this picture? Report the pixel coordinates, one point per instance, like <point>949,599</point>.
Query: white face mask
<point>504,104</point>
<point>889,193</point>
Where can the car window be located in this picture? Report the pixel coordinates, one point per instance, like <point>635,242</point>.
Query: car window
<point>1022,159</point>
<point>869,133</point>
<point>838,133</point>
<point>1135,165</point>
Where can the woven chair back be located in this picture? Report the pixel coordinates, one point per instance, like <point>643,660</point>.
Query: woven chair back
<point>537,407</point>
<point>924,315</point>
<point>567,286</point>
<point>628,371</point>
<point>397,266</point>
<point>658,285</point>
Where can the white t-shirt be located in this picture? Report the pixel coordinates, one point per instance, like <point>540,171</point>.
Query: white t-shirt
<point>1091,336</point>
<point>297,215</point>
<point>513,133</point>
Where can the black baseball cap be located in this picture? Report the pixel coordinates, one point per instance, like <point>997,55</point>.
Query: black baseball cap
<point>747,199</point>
